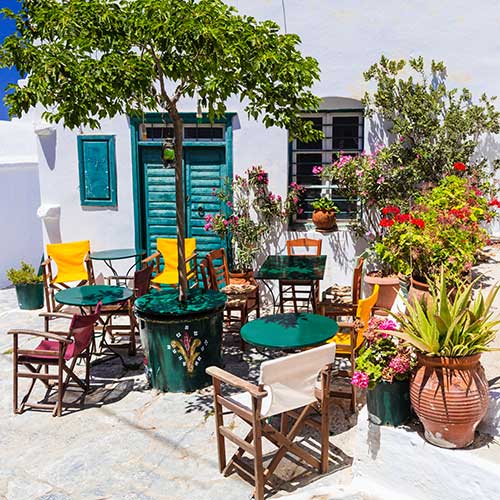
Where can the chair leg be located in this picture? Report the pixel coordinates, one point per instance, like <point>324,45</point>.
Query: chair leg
<point>87,367</point>
<point>282,305</point>
<point>325,421</point>
<point>58,409</point>
<point>257,460</point>
<point>15,395</point>
<point>219,422</point>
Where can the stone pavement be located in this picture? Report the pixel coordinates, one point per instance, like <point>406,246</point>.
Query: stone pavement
<point>125,441</point>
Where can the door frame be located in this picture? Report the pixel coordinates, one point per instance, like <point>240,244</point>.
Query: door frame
<point>138,184</point>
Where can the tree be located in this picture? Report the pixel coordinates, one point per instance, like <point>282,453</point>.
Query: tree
<point>91,59</point>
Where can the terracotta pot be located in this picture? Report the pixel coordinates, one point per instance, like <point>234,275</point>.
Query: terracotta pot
<point>418,290</point>
<point>450,397</point>
<point>324,220</point>
<point>388,289</point>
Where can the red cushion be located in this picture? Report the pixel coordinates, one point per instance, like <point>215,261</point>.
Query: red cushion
<point>52,345</point>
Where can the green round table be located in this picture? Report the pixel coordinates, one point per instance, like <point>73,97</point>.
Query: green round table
<point>90,295</point>
<point>108,256</point>
<point>289,330</point>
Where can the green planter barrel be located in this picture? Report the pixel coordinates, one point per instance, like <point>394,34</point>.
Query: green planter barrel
<point>181,340</point>
<point>389,404</point>
<point>30,295</point>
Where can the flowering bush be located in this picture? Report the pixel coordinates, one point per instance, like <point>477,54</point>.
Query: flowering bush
<point>250,211</point>
<point>385,358</point>
<point>443,229</point>
<point>434,130</point>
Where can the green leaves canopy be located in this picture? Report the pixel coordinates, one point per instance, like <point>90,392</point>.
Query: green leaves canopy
<point>91,59</point>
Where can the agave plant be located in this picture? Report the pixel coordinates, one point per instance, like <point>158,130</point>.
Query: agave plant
<point>448,324</point>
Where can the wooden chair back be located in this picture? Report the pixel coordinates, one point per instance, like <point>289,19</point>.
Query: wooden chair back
<point>142,281</point>
<point>70,260</point>
<point>304,246</point>
<point>81,330</point>
<point>356,280</point>
<point>218,269</point>
<point>205,274</point>
<point>364,313</point>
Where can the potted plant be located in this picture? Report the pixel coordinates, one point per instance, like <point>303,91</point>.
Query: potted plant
<point>384,367</point>
<point>449,390</point>
<point>323,217</point>
<point>250,212</point>
<point>29,286</point>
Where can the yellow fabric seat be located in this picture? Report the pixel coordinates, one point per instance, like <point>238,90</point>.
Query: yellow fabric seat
<point>70,260</point>
<point>363,314</point>
<point>168,250</point>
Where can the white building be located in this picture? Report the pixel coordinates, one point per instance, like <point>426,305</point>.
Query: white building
<point>127,198</point>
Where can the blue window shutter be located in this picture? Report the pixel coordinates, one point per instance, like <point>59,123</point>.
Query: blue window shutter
<point>97,169</point>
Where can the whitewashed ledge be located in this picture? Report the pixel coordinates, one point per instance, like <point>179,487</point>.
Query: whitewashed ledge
<point>491,422</point>
<point>397,463</point>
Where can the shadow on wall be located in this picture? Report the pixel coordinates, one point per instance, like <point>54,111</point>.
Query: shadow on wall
<point>48,145</point>
<point>51,218</point>
<point>378,132</point>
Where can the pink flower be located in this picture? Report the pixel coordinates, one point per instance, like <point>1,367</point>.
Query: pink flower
<point>401,139</point>
<point>360,379</point>
<point>388,324</point>
<point>207,226</point>
<point>295,200</point>
<point>381,179</point>
<point>400,364</point>
<point>300,210</point>
<point>317,170</point>
<point>209,218</point>
<point>278,197</point>
<point>225,222</point>
<point>229,204</point>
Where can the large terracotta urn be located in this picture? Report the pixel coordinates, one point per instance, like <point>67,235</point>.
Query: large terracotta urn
<point>450,397</point>
<point>388,289</point>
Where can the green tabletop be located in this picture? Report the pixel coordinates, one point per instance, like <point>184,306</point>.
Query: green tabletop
<point>165,303</point>
<point>117,254</point>
<point>90,295</point>
<point>289,330</point>
<point>292,267</point>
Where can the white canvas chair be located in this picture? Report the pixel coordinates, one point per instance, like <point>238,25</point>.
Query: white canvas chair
<point>285,385</point>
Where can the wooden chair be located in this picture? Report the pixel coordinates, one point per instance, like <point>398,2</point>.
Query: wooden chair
<point>73,265</point>
<point>349,340</point>
<point>242,295</point>
<point>168,274</point>
<point>286,384</point>
<point>343,301</point>
<point>141,283</point>
<point>300,290</point>
<point>56,350</point>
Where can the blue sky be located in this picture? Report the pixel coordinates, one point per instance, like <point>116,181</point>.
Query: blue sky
<point>6,75</point>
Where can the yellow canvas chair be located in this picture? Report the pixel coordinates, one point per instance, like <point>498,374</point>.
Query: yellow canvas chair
<point>73,265</point>
<point>350,339</point>
<point>166,248</point>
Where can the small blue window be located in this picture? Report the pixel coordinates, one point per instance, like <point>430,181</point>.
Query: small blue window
<point>97,168</point>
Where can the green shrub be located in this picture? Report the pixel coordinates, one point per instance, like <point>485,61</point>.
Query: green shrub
<point>23,276</point>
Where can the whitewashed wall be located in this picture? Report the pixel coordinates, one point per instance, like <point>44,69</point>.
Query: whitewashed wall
<point>20,228</point>
<point>346,36</point>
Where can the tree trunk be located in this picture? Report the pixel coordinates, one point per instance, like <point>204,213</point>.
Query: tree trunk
<point>179,202</point>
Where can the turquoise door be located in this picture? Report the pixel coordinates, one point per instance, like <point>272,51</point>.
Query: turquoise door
<point>204,169</point>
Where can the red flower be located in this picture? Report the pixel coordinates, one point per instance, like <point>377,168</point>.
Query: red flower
<point>494,203</point>
<point>402,218</point>
<point>418,222</point>
<point>386,222</point>
<point>459,166</point>
<point>390,209</point>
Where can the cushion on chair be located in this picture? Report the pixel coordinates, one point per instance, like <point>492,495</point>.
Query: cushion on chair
<point>337,294</point>
<point>239,290</point>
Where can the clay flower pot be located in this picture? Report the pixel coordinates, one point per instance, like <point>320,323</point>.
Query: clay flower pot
<point>324,220</point>
<point>419,290</point>
<point>450,397</point>
<point>388,289</point>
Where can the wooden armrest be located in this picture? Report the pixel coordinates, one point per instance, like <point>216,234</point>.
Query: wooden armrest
<point>46,262</point>
<point>346,324</point>
<point>151,257</point>
<point>36,333</point>
<point>192,256</point>
<point>55,315</point>
<point>235,381</point>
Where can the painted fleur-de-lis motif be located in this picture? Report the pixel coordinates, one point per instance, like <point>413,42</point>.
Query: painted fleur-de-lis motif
<point>187,348</point>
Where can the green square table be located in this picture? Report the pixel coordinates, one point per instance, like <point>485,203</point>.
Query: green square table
<point>305,268</point>
<point>289,331</point>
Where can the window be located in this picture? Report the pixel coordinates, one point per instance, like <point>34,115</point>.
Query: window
<point>343,132</point>
<point>203,132</point>
<point>97,170</point>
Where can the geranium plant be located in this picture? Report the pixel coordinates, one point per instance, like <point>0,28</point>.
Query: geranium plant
<point>250,213</point>
<point>442,230</point>
<point>385,358</point>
